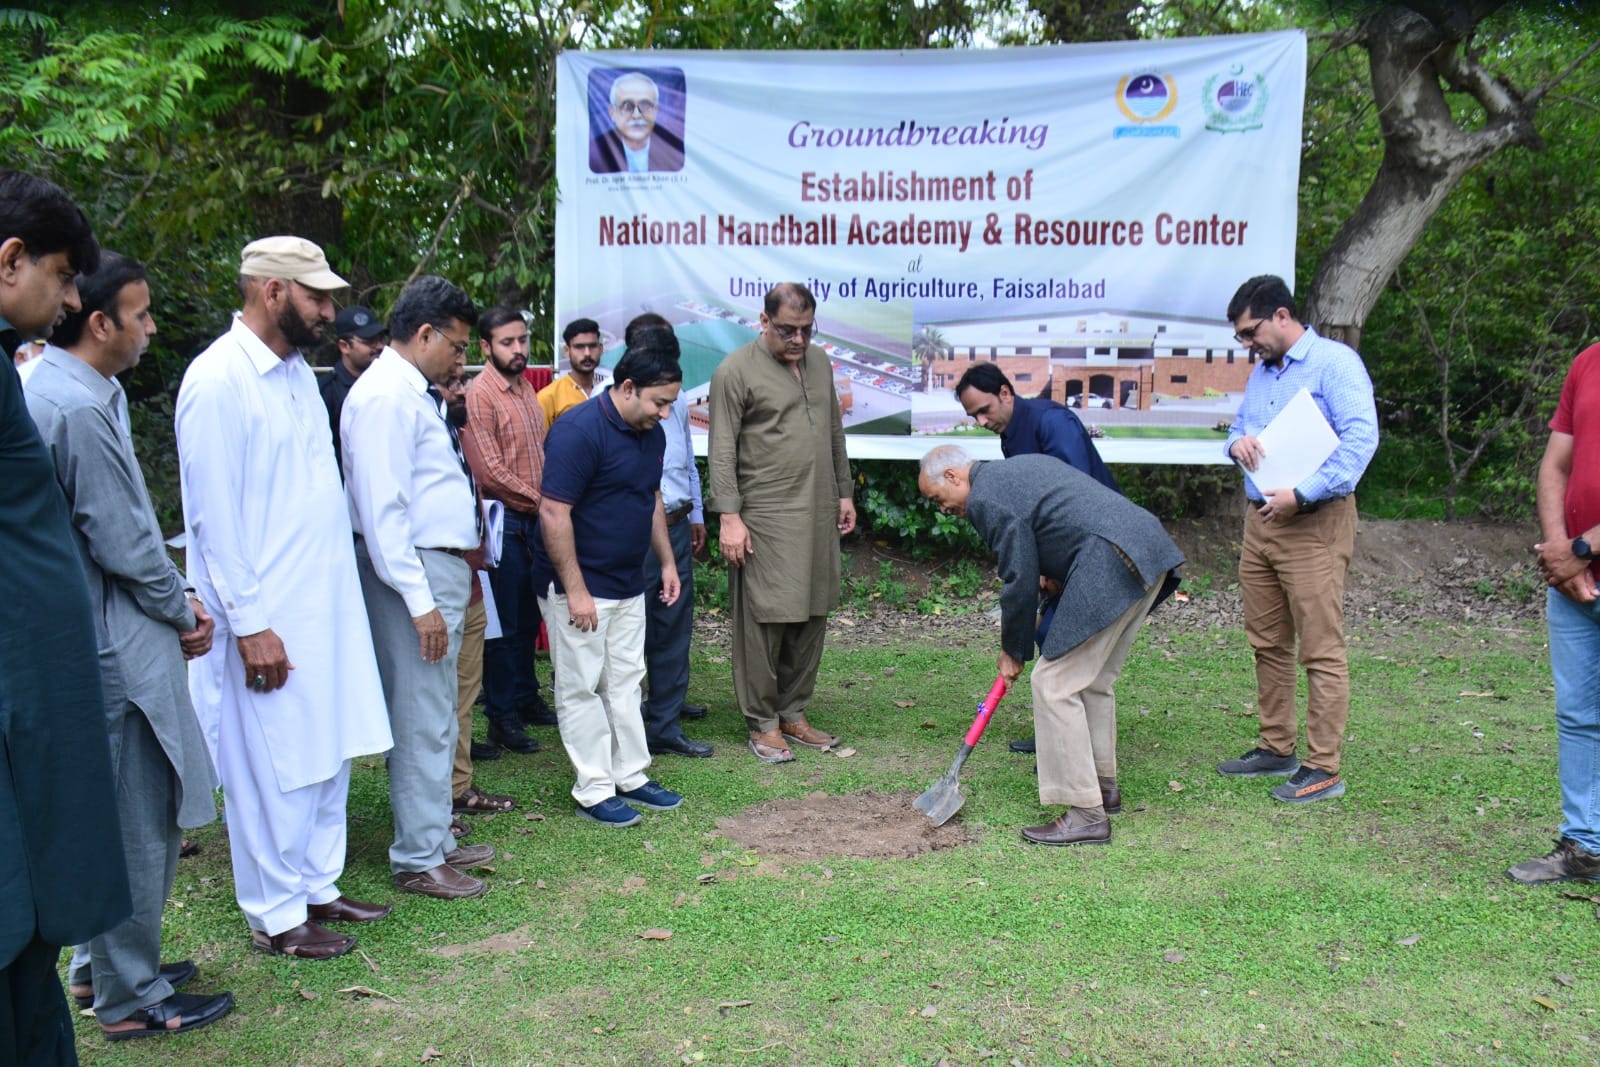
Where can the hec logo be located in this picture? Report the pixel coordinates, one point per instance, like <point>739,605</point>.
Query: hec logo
<point>1235,101</point>
<point>1145,99</point>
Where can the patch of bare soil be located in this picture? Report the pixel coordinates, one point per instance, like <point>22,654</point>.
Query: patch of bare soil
<point>868,825</point>
<point>498,944</point>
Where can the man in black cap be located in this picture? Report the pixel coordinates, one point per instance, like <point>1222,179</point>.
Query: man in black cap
<point>362,336</point>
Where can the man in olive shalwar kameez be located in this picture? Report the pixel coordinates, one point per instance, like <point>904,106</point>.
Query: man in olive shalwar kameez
<point>781,482</point>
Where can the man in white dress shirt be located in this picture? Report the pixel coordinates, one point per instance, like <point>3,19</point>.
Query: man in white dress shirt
<point>290,679</point>
<point>411,503</point>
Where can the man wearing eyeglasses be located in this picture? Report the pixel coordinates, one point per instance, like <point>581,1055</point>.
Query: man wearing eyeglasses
<point>634,144</point>
<point>412,505</point>
<point>781,483</point>
<point>1298,540</point>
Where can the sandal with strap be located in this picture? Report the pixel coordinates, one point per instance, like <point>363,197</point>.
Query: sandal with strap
<point>476,802</point>
<point>176,1014</point>
<point>459,829</point>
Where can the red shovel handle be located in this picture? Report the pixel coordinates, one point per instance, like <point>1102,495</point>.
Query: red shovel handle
<point>986,711</point>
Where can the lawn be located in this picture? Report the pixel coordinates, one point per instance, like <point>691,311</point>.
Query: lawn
<point>1219,927</point>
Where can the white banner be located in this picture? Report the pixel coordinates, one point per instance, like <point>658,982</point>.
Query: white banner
<point>1079,215</point>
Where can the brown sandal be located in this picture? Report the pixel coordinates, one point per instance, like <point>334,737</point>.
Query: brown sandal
<point>476,802</point>
<point>459,828</point>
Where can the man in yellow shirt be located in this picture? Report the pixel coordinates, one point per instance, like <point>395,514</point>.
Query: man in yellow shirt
<point>580,343</point>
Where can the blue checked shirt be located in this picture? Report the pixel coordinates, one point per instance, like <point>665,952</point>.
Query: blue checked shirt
<point>679,478</point>
<point>1338,382</point>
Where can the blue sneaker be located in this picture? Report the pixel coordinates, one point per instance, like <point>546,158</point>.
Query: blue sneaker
<point>652,796</point>
<point>611,812</point>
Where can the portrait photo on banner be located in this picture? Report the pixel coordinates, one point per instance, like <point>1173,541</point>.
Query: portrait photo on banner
<point>636,120</point>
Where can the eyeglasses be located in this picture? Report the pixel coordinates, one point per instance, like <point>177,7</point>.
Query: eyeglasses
<point>637,107</point>
<point>1247,335</point>
<point>789,333</point>
<point>458,347</point>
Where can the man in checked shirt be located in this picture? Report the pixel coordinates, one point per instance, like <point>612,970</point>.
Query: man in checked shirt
<point>1298,540</point>
<point>505,436</point>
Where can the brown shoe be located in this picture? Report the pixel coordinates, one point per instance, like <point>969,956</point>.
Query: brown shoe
<point>469,856</point>
<point>308,941</point>
<point>345,910</point>
<point>803,733</point>
<point>1110,796</point>
<point>769,747</point>
<point>1076,826</point>
<point>443,882</point>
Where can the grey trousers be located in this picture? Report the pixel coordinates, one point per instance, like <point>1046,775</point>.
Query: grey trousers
<point>774,663</point>
<point>422,706</point>
<point>124,962</point>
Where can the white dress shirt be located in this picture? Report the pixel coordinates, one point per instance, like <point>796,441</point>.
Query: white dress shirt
<point>407,485</point>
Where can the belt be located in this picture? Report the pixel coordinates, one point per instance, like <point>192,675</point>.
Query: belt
<point>459,553</point>
<point>676,512</point>
<point>1308,508</point>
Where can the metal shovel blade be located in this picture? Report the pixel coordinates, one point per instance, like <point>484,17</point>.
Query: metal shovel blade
<point>942,799</point>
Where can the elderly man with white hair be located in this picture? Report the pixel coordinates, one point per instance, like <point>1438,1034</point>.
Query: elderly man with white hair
<point>634,143</point>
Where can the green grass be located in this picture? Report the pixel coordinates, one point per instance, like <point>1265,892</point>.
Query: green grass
<point>1154,433</point>
<point>1218,927</point>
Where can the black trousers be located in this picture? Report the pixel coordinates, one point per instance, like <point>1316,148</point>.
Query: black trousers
<point>35,1027</point>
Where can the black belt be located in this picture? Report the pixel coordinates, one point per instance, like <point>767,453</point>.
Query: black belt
<point>1309,507</point>
<point>676,512</point>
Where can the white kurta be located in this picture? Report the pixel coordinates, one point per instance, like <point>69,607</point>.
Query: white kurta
<point>270,546</point>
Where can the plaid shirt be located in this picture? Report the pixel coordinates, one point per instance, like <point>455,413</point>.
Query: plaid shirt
<point>505,429</point>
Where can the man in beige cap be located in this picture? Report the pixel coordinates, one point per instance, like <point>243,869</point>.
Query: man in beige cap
<point>291,683</point>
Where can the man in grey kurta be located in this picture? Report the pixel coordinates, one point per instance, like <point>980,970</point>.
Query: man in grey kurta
<point>147,625</point>
<point>781,482</point>
<point>1053,528</point>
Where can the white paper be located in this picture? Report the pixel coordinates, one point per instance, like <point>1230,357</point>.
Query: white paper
<point>1297,441</point>
<point>494,523</point>
<point>491,628</point>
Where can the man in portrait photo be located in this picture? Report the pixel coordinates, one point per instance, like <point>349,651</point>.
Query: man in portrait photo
<point>634,143</point>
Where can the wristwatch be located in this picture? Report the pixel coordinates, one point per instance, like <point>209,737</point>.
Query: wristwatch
<point>1581,549</point>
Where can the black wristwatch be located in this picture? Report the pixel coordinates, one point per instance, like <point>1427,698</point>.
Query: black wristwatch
<point>1301,501</point>
<point>1581,549</point>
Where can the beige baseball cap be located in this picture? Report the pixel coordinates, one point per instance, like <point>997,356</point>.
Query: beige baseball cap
<point>292,258</point>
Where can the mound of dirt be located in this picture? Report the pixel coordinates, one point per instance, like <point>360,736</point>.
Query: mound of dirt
<point>869,825</point>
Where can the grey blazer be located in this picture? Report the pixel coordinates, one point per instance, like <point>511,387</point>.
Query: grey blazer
<point>1044,518</point>
<point>137,592</point>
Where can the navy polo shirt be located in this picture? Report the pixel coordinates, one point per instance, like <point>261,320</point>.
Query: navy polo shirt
<point>1044,427</point>
<point>609,472</point>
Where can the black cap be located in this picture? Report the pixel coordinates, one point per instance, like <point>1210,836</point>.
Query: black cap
<point>357,321</point>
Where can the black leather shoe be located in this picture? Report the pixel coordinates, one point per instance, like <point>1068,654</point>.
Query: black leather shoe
<point>682,746</point>
<point>1023,745</point>
<point>693,711</point>
<point>513,738</point>
<point>482,750</point>
<point>178,1014</point>
<point>537,713</point>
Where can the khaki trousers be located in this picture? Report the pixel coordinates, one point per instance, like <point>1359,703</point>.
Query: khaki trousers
<point>1292,574</point>
<point>1075,711</point>
<point>469,680</point>
<point>774,663</point>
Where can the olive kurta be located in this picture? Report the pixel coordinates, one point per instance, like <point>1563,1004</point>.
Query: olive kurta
<point>777,459</point>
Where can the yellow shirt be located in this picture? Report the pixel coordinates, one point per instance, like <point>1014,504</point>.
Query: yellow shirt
<point>558,396</point>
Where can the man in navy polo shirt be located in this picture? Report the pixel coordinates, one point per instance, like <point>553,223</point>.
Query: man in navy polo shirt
<point>600,514</point>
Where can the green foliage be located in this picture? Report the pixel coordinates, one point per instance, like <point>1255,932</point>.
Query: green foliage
<point>861,594</point>
<point>1179,492</point>
<point>889,505</point>
<point>956,591</point>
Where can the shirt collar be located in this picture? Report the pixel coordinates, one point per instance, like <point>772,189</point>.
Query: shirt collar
<point>264,359</point>
<point>1302,348</point>
<point>402,368</point>
<point>103,389</point>
<point>614,417</point>
<point>514,384</point>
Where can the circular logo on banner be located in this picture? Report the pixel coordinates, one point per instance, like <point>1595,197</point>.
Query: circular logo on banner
<point>1146,97</point>
<point>1235,101</point>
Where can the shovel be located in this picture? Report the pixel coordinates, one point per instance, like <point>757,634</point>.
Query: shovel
<point>943,798</point>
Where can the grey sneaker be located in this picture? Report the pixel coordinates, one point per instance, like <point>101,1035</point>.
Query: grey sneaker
<point>1309,784</point>
<point>1567,862</point>
<point>1259,763</point>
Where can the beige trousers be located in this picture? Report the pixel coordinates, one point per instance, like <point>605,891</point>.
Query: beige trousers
<point>469,680</point>
<point>1075,710</point>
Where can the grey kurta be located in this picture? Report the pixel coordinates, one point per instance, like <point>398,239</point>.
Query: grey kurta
<point>777,458</point>
<point>1044,518</point>
<point>137,592</point>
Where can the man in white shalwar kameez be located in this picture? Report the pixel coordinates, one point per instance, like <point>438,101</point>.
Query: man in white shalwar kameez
<point>292,672</point>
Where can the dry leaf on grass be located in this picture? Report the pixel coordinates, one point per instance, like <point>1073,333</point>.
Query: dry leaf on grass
<point>430,1054</point>
<point>929,1012</point>
<point>1409,941</point>
<point>1176,787</point>
<point>844,753</point>
<point>905,703</point>
<point>707,878</point>
<point>1565,980</point>
<point>655,935</point>
<point>1546,1003</point>
<point>534,816</point>
<point>366,991</point>
<point>1174,955</point>
<point>632,885</point>
<point>308,994</point>
<point>726,1004</point>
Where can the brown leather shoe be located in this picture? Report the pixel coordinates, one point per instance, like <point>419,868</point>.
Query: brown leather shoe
<point>803,733</point>
<point>308,941</point>
<point>443,882</point>
<point>1110,796</point>
<point>345,910</point>
<point>770,747</point>
<point>469,856</point>
<point>1076,826</point>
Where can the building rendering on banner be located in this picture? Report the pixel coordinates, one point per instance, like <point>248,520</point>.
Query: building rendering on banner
<point>1104,358</point>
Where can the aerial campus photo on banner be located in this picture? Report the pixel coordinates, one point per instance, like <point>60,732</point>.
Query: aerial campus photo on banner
<point>1078,215</point>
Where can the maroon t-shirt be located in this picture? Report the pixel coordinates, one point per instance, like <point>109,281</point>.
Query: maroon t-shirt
<point>1578,414</point>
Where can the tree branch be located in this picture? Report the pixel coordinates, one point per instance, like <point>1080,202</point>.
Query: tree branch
<point>438,234</point>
